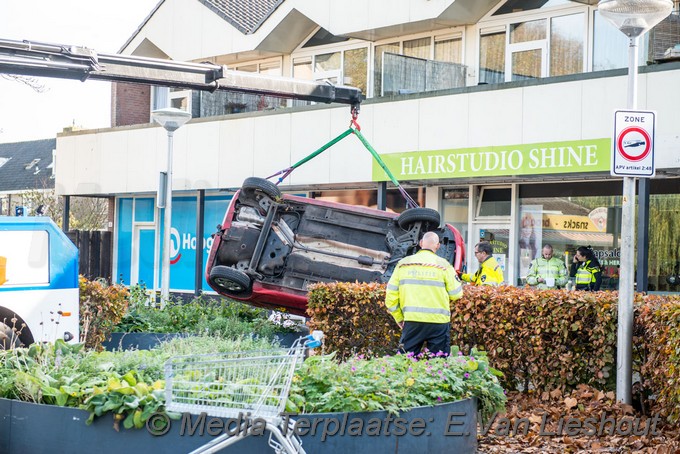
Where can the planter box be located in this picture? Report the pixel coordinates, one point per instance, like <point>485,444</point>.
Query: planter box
<point>38,429</point>
<point>147,341</point>
<point>137,341</point>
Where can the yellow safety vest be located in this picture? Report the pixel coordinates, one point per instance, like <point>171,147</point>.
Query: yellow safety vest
<point>541,267</point>
<point>586,274</point>
<point>421,287</point>
<point>489,273</point>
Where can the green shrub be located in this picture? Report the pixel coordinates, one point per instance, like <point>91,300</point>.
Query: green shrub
<point>202,315</point>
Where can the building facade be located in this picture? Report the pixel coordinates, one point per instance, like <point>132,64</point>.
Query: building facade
<point>499,114</point>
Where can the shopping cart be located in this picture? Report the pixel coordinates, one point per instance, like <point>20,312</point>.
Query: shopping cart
<point>245,386</point>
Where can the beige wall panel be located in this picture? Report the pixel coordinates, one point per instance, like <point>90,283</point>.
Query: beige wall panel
<point>550,115</point>
<point>395,126</point>
<point>235,156</point>
<point>666,103</point>
<point>495,118</point>
<point>271,144</point>
<point>444,122</point>
<point>310,131</point>
<point>146,157</point>
<point>350,161</point>
<point>114,158</point>
<point>601,97</point>
<point>65,177</point>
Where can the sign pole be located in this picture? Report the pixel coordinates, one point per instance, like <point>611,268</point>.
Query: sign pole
<point>624,338</point>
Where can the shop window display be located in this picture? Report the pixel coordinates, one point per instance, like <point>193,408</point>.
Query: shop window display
<point>567,223</point>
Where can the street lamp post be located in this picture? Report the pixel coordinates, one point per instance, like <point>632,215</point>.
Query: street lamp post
<point>634,18</point>
<point>171,119</point>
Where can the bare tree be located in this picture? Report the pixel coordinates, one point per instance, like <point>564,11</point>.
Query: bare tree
<point>32,82</point>
<point>86,213</point>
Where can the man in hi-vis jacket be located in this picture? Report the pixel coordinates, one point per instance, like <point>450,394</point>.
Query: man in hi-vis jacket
<point>489,272</point>
<point>418,296</point>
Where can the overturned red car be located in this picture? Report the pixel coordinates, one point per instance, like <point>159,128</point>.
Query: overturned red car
<point>272,246</point>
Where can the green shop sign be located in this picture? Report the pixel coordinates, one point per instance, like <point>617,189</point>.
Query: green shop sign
<point>515,160</point>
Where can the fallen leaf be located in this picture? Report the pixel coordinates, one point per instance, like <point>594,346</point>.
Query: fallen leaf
<point>535,419</point>
<point>570,402</point>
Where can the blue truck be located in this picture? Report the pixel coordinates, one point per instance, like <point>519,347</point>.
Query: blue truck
<point>38,282</point>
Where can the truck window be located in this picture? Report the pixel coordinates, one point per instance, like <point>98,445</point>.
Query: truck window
<point>26,255</point>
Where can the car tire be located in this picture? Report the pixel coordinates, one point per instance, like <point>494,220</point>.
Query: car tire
<point>413,215</point>
<point>229,280</point>
<point>253,184</point>
<point>8,339</point>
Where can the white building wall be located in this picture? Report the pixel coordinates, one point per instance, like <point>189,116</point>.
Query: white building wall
<point>222,153</point>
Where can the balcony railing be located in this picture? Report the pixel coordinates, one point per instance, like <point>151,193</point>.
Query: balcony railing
<point>402,75</point>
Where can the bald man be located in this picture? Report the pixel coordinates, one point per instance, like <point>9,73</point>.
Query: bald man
<point>419,296</point>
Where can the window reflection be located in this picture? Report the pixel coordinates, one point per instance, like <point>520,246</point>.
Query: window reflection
<point>492,58</point>
<point>568,223</point>
<point>566,45</point>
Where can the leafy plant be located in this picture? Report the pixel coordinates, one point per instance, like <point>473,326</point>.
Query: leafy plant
<point>101,307</point>
<point>394,383</point>
<point>203,315</point>
<point>126,384</point>
<point>130,401</point>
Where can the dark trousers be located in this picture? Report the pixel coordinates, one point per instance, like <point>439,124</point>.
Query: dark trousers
<point>437,336</point>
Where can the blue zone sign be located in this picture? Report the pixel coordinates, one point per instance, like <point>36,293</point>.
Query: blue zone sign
<point>137,257</point>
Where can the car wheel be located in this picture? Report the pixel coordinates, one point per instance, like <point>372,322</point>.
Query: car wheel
<point>425,215</point>
<point>253,184</point>
<point>229,280</point>
<point>8,338</point>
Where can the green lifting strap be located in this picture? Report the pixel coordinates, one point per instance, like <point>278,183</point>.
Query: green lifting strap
<point>285,172</point>
<point>409,200</point>
<point>356,131</point>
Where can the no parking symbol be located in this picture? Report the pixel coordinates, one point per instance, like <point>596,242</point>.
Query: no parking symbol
<point>633,144</point>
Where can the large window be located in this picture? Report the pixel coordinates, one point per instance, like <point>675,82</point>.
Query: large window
<point>553,45</point>
<point>343,67</point>
<point>421,64</point>
<point>610,48</point>
<point>567,223</point>
<point>664,243</point>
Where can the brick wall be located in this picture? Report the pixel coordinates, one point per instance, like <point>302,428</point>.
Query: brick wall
<point>130,104</point>
<point>112,214</point>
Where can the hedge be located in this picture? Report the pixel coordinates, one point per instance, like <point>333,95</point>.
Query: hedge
<point>657,332</point>
<point>540,339</point>
<point>353,318</point>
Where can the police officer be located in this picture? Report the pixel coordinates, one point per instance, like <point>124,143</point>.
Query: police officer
<point>587,270</point>
<point>418,296</point>
<point>547,272</point>
<point>489,272</point>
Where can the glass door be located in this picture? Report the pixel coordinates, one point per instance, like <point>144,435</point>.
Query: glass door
<point>499,236</point>
<point>143,257</point>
